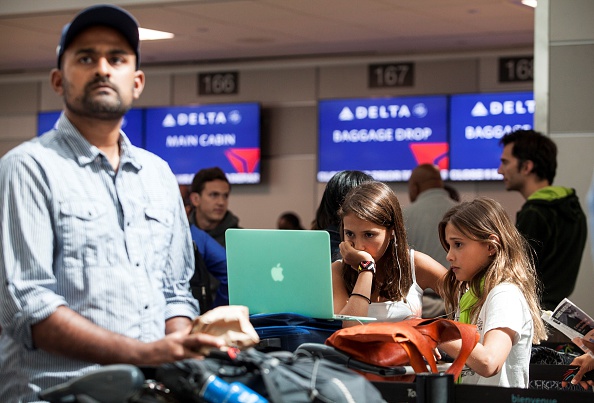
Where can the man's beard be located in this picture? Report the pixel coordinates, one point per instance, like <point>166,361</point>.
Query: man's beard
<point>98,108</point>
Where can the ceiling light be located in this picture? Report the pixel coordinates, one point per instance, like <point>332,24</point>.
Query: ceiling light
<point>529,3</point>
<point>153,35</point>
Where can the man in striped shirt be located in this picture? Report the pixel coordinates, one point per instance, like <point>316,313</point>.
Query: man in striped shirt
<point>95,253</point>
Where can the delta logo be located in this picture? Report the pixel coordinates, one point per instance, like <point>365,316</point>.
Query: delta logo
<point>496,108</point>
<point>244,160</point>
<point>201,118</point>
<point>431,153</point>
<point>347,114</point>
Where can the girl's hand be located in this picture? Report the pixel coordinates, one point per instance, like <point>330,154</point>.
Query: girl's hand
<point>436,354</point>
<point>352,256</point>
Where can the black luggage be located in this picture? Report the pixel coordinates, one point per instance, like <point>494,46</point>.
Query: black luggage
<point>279,377</point>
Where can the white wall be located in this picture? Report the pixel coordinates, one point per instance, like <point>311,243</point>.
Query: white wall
<point>288,92</point>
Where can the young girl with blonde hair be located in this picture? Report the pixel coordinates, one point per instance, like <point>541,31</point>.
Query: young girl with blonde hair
<point>492,283</point>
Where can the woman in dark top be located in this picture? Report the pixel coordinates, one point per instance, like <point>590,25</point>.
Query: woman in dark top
<point>327,214</point>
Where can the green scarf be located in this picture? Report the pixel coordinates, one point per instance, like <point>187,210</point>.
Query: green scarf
<point>468,301</point>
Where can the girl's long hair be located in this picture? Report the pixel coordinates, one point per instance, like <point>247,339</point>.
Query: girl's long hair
<point>512,262</point>
<point>376,202</point>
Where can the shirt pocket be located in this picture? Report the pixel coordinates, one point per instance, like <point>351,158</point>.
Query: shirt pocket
<point>160,224</point>
<point>86,235</point>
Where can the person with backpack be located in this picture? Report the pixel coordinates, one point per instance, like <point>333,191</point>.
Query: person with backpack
<point>210,258</point>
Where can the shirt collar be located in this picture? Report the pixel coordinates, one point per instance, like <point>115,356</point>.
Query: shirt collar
<point>85,152</point>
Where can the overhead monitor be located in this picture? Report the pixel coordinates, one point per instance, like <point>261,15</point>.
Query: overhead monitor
<point>132,124</point>
<point>190,138</point>
<point>385,137</point>
<point>477,123</point>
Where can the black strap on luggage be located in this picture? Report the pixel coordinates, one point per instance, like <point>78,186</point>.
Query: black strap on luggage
<point>200,282</point>
<point>336,356</point>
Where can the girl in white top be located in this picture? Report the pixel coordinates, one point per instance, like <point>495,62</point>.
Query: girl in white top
<point>492,283</point>
<point>378,275</point>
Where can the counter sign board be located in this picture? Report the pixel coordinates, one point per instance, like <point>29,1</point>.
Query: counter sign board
<point>390,75</point>
<point>385,137</point>
<point>219,83</point>
<point>477,123</point>
<point>516,69</point>
<point>194,137</point>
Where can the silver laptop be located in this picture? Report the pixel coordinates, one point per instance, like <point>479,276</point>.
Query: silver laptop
<point>280,271</point>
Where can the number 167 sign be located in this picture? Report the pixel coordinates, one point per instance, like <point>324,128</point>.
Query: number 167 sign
<point>391,75</point>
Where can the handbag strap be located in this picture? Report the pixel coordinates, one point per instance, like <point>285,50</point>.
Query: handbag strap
<point>419,351</point>
<point>444,330</point>
<point>415,357</point>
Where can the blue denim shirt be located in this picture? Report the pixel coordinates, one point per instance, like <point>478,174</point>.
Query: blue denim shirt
<point>114,246</point>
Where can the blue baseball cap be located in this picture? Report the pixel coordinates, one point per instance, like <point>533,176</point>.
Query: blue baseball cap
<point>101,14</point>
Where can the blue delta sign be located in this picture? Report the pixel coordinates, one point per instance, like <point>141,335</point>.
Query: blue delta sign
<point>477,123</point>
<point>385,137</point>
<point>194,137</point>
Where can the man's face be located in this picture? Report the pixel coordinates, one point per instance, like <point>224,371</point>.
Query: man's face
<point>510,169</point>
<point>98,77</point>
<point>213,201</point>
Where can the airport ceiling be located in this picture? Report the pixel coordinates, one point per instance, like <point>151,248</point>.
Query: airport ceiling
<point>220,31</point>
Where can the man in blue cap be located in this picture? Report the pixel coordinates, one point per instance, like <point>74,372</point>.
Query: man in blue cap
<point>95,254</point>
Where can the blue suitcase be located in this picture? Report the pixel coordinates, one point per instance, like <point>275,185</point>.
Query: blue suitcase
<point>287,331</point>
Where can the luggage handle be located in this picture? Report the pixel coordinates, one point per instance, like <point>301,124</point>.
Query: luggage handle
<point>111,383</point>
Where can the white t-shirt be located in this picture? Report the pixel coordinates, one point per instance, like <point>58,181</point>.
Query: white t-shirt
<point>395,311</point>
<point>506,307</point>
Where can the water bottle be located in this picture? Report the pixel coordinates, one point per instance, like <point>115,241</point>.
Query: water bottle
<point>216,390</point>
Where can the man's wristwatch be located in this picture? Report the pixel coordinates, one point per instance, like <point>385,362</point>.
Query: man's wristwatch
<point>367,265</point>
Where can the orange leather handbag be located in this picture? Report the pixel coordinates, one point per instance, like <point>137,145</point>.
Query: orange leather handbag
<point>409,342</point>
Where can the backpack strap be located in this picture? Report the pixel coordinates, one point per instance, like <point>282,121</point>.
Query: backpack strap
<point>200,282</point>
<point>266,365</point>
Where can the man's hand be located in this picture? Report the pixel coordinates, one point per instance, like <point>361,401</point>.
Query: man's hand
<point>67,333</point>
<point>180,345</point>
<point>586,364</point>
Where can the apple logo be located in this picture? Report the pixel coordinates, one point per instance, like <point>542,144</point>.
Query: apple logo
<point>277,273</point>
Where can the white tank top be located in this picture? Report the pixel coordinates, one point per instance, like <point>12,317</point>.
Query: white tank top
<point>395,311</point>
